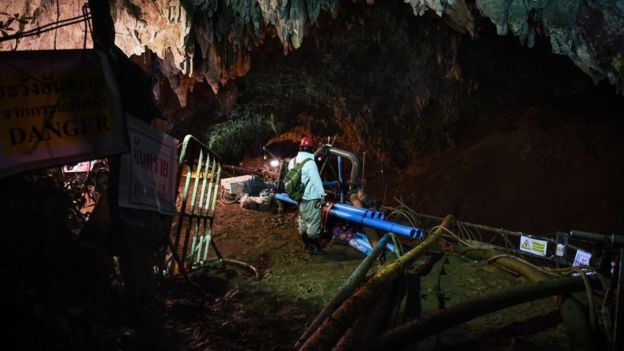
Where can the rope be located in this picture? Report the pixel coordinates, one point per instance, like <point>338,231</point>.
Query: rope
<point>87,29</point>
<point>582,271</point>
<point>590,299</point>
<point>48,27</point>
<point>453,235</point>
<point>494,258</point>
<point>469,231</point>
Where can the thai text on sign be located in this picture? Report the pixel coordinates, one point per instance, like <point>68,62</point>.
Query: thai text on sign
<point>149,170</point>
<point>57,107</point>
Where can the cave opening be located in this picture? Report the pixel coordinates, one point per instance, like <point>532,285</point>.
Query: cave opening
<point>483,127</point>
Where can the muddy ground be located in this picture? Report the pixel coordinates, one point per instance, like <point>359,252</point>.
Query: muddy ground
<point>233,310</point>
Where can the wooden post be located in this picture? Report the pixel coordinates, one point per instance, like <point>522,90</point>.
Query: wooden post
<point>103,26</point>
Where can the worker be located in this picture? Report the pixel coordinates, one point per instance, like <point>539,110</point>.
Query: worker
<point>309,221</point>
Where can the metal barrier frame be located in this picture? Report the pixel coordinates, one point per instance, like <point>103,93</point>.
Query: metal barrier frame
<point>198,163</point>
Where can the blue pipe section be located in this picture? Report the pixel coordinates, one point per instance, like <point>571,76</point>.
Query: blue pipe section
<point>330,184</point>
<point>360,242</point>
<point>283,197</point>
<point>378,224</point>
<point>351,209</point>
<point>360,246</point>
<point>358,210</point>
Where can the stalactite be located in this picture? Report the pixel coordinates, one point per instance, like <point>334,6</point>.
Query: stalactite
<point>222,33</point>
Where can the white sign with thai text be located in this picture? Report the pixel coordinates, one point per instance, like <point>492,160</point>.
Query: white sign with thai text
<point>149,171</point>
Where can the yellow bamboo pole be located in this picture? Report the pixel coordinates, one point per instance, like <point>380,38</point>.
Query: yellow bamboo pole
<point>328,334</point>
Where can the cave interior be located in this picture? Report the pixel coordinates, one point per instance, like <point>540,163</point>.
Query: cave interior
<point>503,113</point>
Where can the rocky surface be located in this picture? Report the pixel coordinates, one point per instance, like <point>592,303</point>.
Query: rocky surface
<point>158,25</point>
<point>397,86</point>
<point>212,40</point>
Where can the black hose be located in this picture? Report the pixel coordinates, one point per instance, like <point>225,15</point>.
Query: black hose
<point>416,330</point>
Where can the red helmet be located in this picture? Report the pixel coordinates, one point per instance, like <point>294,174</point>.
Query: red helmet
<point>306,141</point>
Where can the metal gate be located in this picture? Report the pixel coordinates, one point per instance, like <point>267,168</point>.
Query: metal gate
<point>199,170</point>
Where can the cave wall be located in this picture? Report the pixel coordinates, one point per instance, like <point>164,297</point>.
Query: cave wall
<point>212,41</point>
<point>158,25</point>
<point>402,84</point>
<point>414,92</point>
<point>484,128</point>
<point>374,75</point>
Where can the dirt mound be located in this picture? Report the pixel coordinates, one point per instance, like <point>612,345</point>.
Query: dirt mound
<point>540,172</point>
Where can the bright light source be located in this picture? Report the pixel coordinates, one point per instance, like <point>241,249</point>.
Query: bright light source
<point>274,163</point>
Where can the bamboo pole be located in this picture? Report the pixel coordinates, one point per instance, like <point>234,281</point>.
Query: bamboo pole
<point>345,291</point>
<point>572,311</point>
<point>328,334</point>
<point>528,271</point>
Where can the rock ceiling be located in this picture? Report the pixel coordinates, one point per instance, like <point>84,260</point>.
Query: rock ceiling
<point>212,40</point>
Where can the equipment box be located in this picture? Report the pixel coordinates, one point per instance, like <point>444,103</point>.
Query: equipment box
<point>246,184</point>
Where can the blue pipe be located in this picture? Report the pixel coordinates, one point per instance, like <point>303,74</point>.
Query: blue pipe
<point>339,206</point>
<point>283,197</point>
<point>379,224</point>
<point>330,184</point>
<point>360,246</point>
<point>359,210</point>
<point>364,238</point>
<point>363,246</point>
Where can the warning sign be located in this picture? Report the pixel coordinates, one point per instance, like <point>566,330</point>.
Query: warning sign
<point>149,170</point>
<point>57,107</point>
<point>581,258</point>
<point>534,246</point>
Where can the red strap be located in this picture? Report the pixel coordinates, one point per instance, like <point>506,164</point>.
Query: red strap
<point>325,214</point>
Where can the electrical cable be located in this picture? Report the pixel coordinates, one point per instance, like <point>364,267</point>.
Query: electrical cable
<point>452,235</point>
<point>47,27</point>
<point>58,16</point>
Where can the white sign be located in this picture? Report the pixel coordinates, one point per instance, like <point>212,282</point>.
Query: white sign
<point>581,258</point>
<point>57,107</point>
<point>534,246</point>
<point>149,171</point>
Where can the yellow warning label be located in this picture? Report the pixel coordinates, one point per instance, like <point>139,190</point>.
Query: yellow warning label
<point>534,246</point>
<point>539,247</point>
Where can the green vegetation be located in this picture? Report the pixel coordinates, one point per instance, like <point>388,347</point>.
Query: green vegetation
<point>246,132</point>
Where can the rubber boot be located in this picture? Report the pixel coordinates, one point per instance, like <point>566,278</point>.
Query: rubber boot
<point>314,247</point>
<point>306,241</point>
